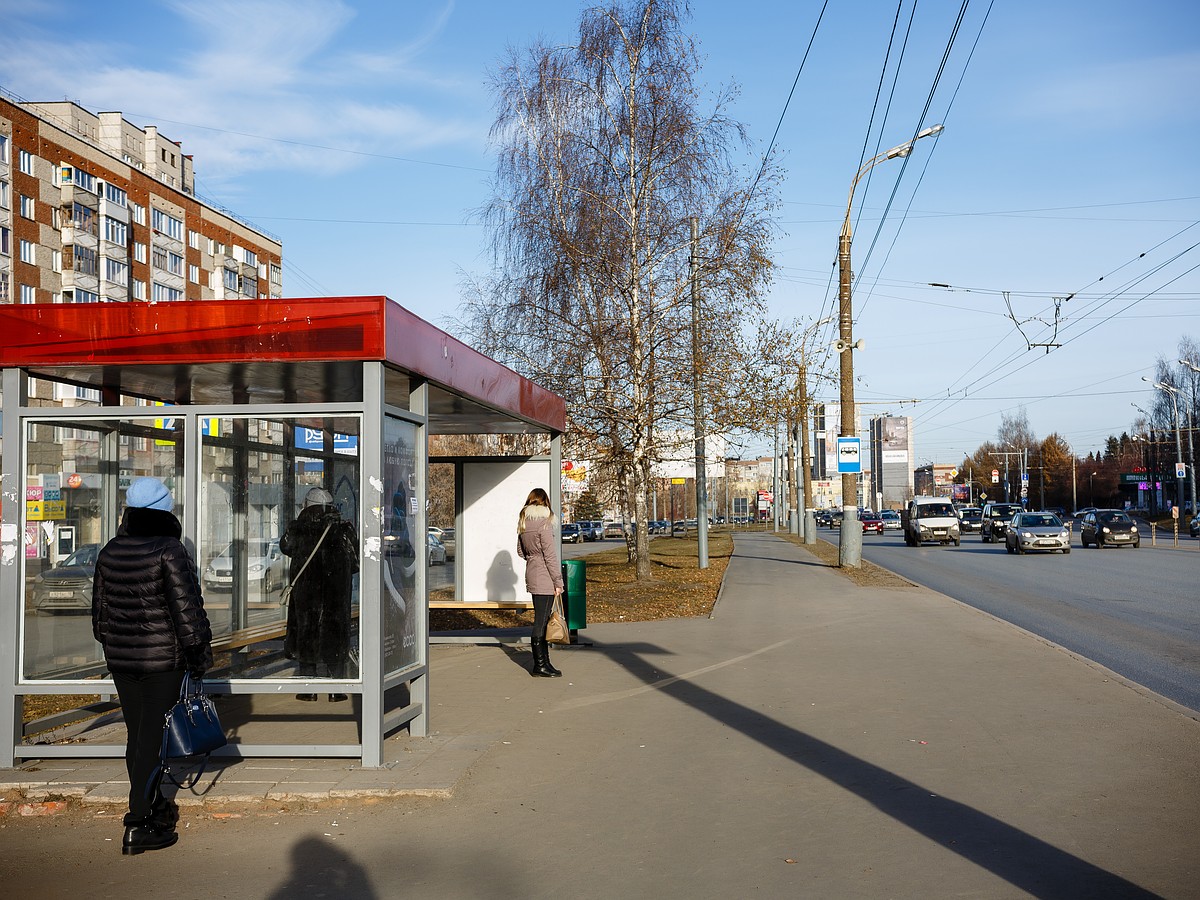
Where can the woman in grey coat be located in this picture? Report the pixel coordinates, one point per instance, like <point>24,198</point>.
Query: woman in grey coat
<point>537,544</point>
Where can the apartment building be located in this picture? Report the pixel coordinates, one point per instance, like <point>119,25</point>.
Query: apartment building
<point>93,208</point>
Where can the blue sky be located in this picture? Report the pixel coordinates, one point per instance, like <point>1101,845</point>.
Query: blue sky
<point>357,132</point>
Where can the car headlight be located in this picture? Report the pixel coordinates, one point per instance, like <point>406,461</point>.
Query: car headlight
<point>1065,535</point>
<point>1133,529</point>
<point>1028,535</point>
<point>256,568</point>
<point>1106,531</point>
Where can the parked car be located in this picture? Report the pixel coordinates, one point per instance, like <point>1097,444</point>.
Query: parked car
<point>871,523</point>
<point>435,554</point>
<point>592,529</point>
<point>970,518</point>
<point>68,586</point>
<point>572,533</point>
<point>994,520</point>
<point>614,529</point>
<point>448,541</point>
<point>1031,531</point>
<point>890,519</point>
<point>266,567</point>
<point>1109,528</point>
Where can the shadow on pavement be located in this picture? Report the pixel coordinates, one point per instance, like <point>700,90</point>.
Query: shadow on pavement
<point>1021,859</point>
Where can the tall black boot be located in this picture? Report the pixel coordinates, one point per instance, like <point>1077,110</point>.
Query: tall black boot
<point>541,667</point>
<point>554,673</point>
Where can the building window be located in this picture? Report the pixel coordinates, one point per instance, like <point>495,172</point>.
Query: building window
<point>5,288</point>
<point>55,218</point>
<point>115,195</point>
<point>163,294</point>
<point>28,294</point>
<point>212,246</point>
<point>116,231</point>
<point>56,260</point>
<point>83,217</point>
<point>158,257</point>
<point>139,290</point>
<point>25,163</point>
<point>250,285</point>
<point>116,272</point>
<point>194,239</point>
<point>82,296</point>
<point>139,252</point>
<point>5,237</point>
<point>166,224</point>
<point>251,258</point>
<point>276,274</point>
<point>85,261</point>
<point>4,149</point>
<point>27,207</point>
<point>175,264</point>
<point>29,252</point>
<point>194,274</point>
<point>3,195</point>
<point>139,214</point>
<point>231,280</point>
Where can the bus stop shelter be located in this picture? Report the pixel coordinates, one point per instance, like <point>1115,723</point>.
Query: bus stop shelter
<point>242,407</point>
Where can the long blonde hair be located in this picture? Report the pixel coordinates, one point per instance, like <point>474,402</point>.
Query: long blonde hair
<point>537,498</point>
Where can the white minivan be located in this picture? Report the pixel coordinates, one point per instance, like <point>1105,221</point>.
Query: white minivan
<point>928,519</point>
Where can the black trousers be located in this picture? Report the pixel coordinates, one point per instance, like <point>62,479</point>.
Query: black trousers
<point>145,701</point>
<point>541,614</point>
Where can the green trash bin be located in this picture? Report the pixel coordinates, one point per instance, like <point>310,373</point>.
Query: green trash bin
<point>575,593</point>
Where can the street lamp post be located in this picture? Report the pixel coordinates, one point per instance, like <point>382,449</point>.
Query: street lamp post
<point>1173,392</point>
<point>1191,429</point>
<point>1091,491</point>
<point>850,540</point>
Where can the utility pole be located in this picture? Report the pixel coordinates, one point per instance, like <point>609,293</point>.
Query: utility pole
<point>810,521</point>
<point>698,406</point>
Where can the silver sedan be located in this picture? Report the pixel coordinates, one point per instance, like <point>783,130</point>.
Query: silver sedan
<point>1031,531</point>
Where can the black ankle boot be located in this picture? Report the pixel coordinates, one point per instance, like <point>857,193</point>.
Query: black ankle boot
<point>541,667</point>
<point>146,836</point>
<point>164,814</point>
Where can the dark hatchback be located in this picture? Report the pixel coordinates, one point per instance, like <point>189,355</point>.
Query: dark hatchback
<point>1109,528</point>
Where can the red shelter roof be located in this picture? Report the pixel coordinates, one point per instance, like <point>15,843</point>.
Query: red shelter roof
<point>240,335</point>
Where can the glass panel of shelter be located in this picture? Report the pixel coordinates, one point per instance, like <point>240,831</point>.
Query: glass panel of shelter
<point>255,476</point>
<point>76,473</point>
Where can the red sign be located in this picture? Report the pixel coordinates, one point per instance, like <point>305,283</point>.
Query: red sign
<point>74,480</point>
<point>33,493</point>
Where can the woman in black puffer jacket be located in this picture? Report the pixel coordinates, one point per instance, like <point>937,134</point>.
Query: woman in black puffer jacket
<point>148,615</point>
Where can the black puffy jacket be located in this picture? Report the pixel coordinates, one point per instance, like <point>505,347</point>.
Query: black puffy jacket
<point>147,612</point>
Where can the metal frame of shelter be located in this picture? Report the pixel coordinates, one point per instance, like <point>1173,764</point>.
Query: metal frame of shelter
<point>267,371</point>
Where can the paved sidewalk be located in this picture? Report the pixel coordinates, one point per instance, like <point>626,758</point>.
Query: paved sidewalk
<point>812,738</point>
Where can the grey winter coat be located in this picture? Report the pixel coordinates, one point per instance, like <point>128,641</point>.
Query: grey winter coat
<point>147,612</point>
<point>538,546</point>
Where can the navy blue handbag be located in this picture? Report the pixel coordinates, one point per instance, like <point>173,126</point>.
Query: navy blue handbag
<point>192,727</point>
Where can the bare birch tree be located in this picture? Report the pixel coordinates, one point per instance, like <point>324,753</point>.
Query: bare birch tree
<point>604,156</point>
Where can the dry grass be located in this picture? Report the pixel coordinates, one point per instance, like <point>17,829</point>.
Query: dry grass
<point>678,587</point>
<point>869,575</point>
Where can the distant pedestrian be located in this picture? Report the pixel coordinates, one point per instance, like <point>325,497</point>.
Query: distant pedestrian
<point>324,552</point>
<point>537,544</point>
<point>148,616</point>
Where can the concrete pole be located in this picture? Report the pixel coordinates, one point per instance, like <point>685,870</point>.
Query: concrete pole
<point>850,539</point>
<point>698,407</point>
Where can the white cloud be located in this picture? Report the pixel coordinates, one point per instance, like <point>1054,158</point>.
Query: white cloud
<point>285,69</point>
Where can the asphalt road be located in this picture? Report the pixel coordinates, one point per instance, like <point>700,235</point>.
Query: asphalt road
<point>1135,611</point>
